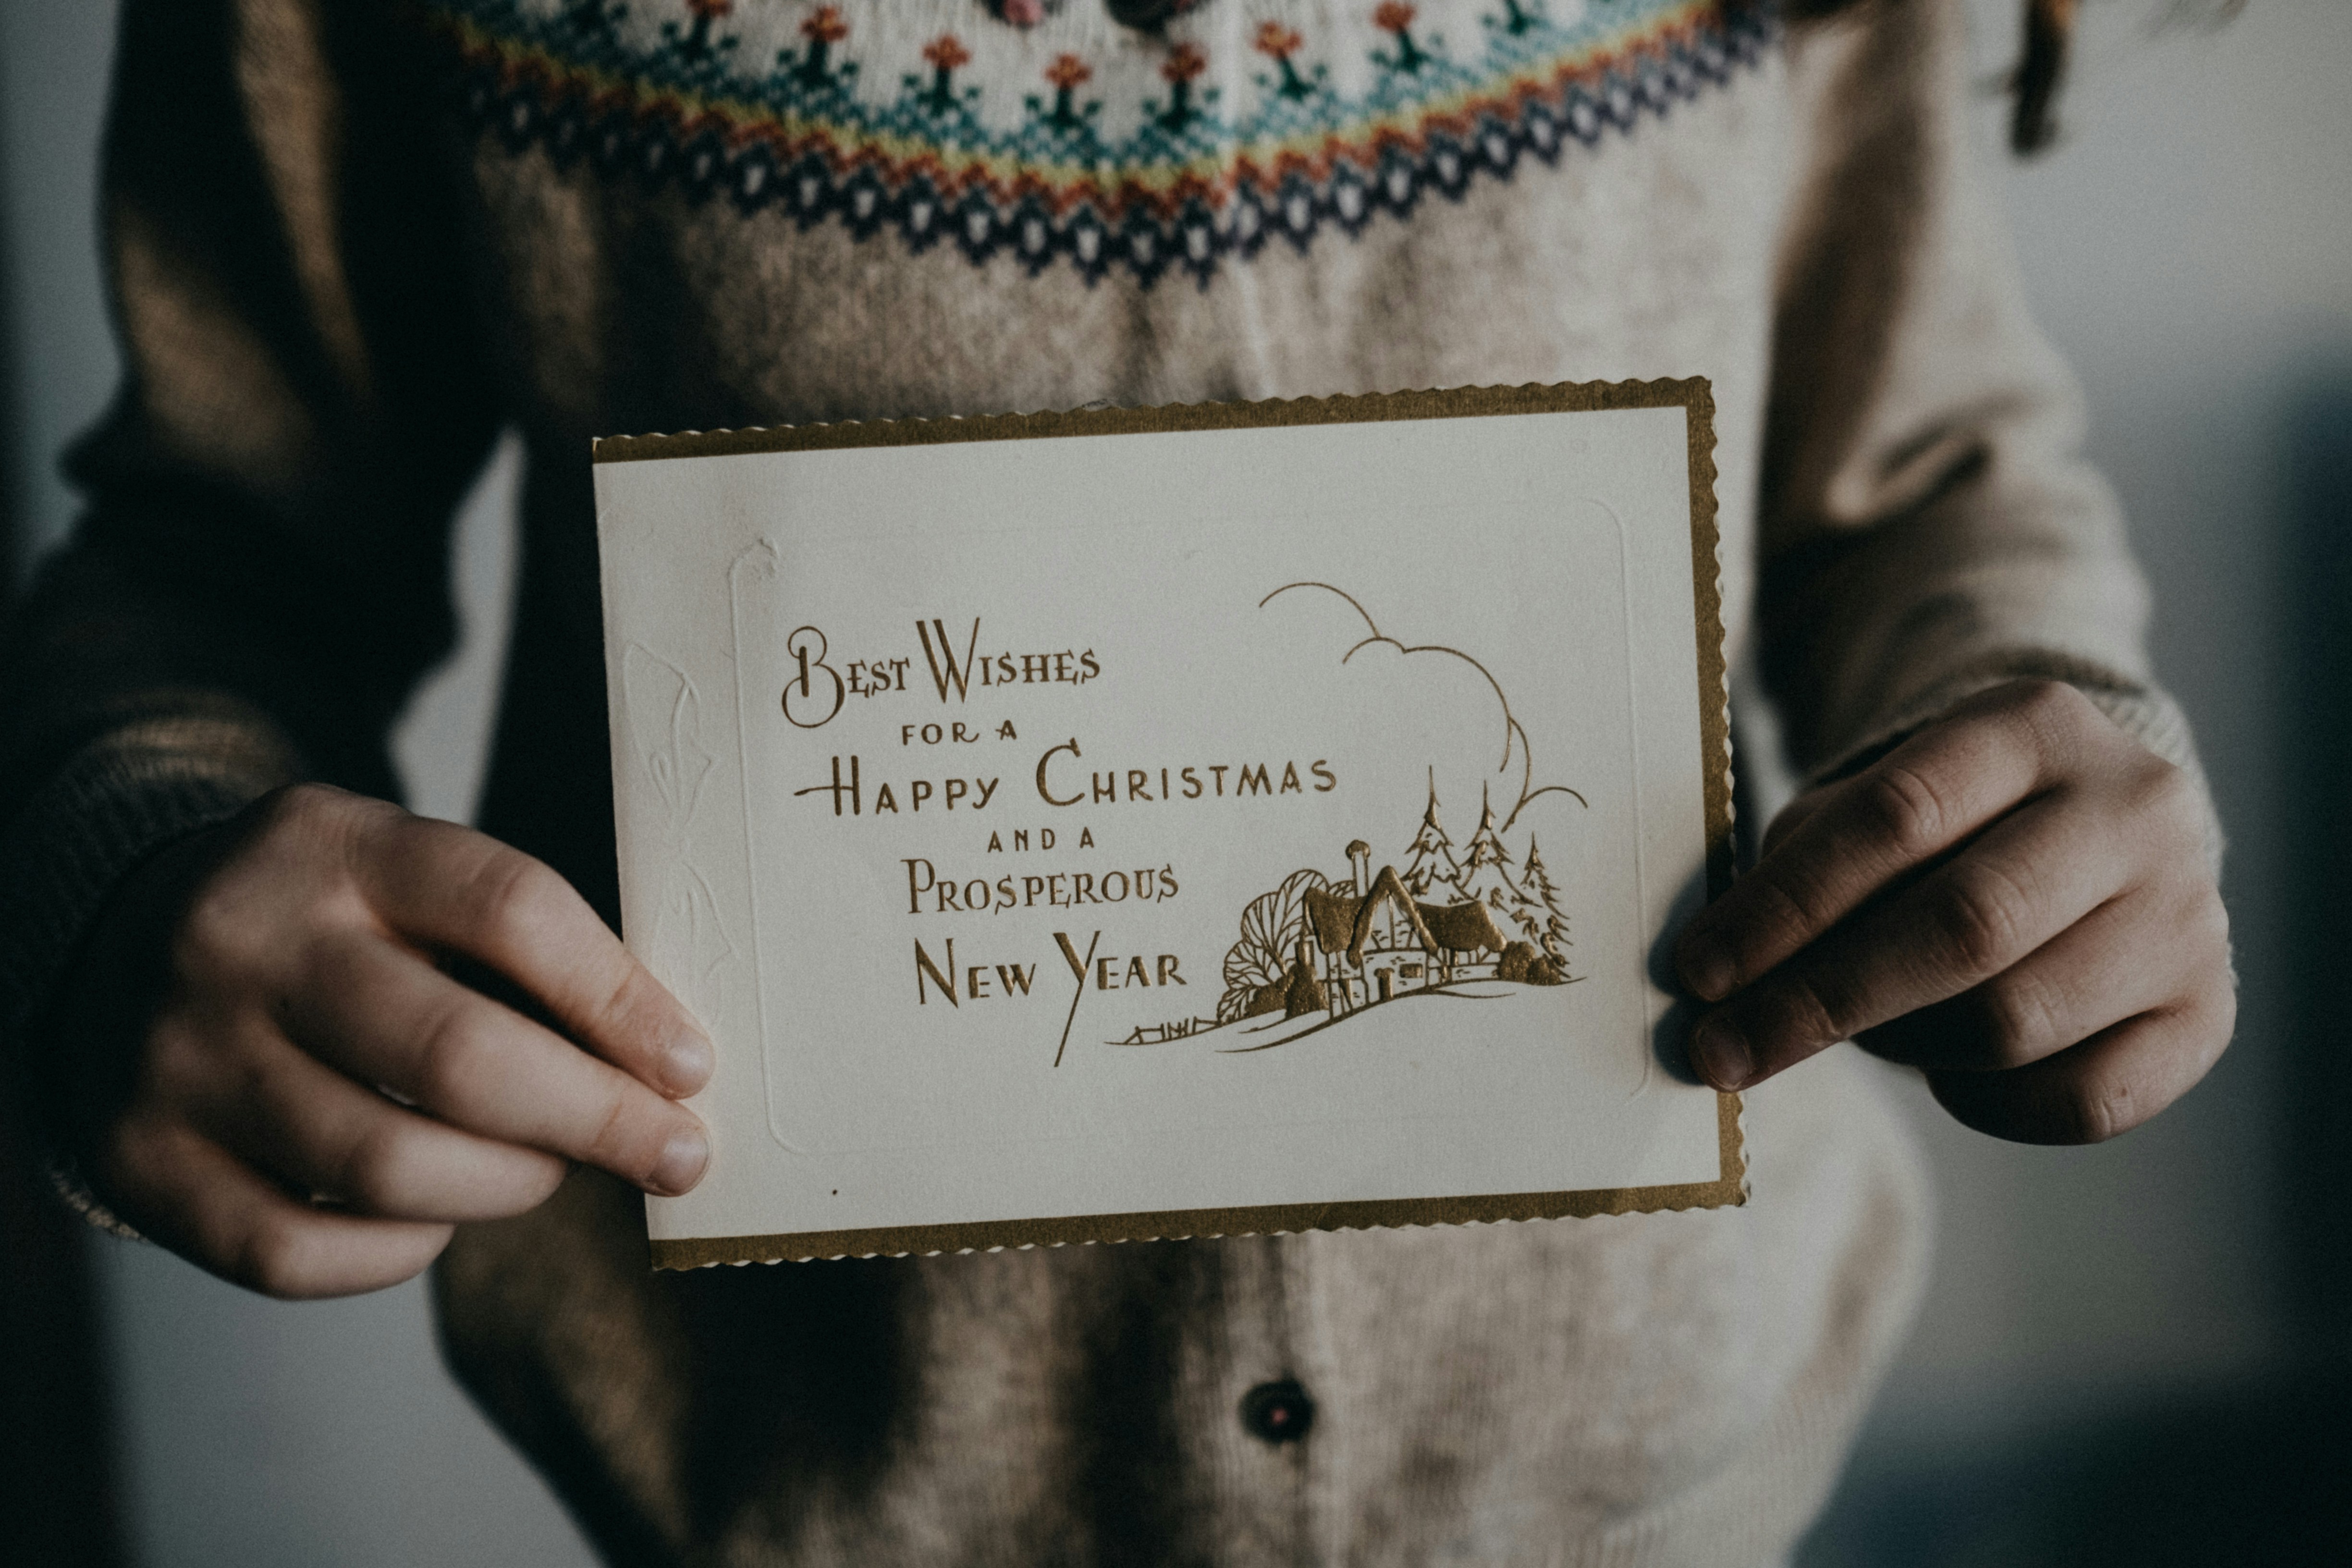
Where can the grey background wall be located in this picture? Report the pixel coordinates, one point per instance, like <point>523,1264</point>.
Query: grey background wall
<point>2187,246</point>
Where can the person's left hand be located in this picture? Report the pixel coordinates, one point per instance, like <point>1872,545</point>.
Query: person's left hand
<point>2017,899</point>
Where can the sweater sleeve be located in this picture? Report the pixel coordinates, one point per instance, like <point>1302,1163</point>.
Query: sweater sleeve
<point>1928,527</point>
<point>260,576</point>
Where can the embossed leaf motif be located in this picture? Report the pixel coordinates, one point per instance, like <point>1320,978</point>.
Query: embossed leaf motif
<point>690,939</point>
<point>662,700</point>
<point>689,945</point>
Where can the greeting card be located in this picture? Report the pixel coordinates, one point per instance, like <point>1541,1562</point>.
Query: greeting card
<point>1168,822</point>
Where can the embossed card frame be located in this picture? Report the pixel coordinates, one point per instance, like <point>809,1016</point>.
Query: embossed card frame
<point>1448,544</point>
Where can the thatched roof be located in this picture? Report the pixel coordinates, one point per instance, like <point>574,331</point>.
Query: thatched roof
<point>1340,922</point>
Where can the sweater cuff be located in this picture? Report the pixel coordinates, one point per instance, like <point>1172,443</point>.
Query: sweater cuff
<point>2144,712</point>
<point>117,802</point>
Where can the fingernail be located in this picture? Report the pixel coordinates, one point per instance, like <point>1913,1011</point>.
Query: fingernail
<point>1707,967</point>
<point>1720,1053</point>
<point>686,1063</point>
<point>681,1162</point>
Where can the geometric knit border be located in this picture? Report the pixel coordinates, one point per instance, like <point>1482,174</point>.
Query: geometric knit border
<point>1190,183</point>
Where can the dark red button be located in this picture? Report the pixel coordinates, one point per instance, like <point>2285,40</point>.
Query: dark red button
<point>1277,1412</point>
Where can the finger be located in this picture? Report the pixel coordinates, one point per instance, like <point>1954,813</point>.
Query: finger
<point>2108,1084</point>
<point>1798,812</point>
<point>192,1195</point>
<point>318,1132</point>
<point>1924,798</point>
<point>449,887</point>
<point>2116,962</point>
<point>384,1015</point>
<point>2034,875</point>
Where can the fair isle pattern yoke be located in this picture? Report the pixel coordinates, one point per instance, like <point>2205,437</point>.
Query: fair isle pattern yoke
<point>1073,139</point>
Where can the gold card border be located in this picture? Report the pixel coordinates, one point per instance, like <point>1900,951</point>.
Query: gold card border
<point>1694,396</point>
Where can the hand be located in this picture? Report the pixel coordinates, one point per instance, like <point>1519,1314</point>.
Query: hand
<point>2017,899</point>
<point>282,1083</point>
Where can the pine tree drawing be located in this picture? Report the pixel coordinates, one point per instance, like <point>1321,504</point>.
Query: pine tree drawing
<point>1487,871</point>
<point>1548,928</point>
<point>1431,867</point>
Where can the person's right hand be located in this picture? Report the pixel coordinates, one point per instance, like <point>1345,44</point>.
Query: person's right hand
<point>279,1080</point>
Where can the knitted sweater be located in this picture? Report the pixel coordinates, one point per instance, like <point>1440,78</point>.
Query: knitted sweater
<point>349,242</point>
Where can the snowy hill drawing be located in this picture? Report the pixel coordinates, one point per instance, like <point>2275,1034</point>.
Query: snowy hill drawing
<point>1463,1011</point>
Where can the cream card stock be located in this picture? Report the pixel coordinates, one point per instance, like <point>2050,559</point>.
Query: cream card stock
<point>1175,822</point>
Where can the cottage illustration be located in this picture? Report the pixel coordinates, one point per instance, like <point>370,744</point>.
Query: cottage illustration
<point>1322,947</point>
<point>1314,944</point>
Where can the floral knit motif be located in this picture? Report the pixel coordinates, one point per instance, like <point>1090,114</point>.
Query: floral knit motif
<point>1065,138</point>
